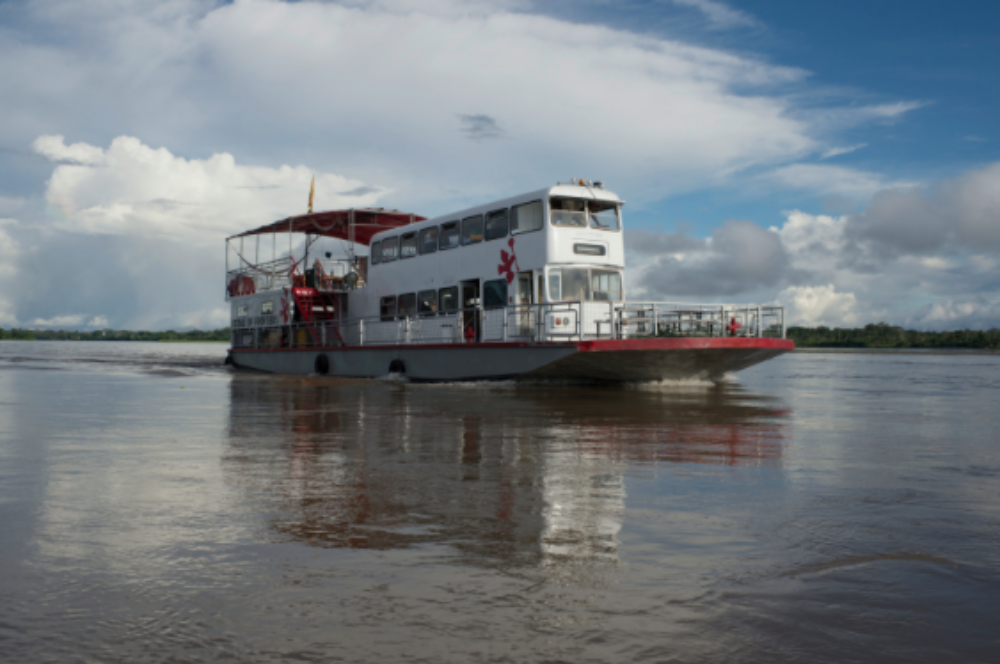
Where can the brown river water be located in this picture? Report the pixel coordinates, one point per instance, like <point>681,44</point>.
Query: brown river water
<point>825,506</point>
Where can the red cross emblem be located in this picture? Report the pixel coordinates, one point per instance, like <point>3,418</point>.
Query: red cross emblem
<point>284,307</point>
<point>507,261</point>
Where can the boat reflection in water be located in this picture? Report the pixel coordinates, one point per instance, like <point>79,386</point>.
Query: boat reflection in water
<point>509,475</point>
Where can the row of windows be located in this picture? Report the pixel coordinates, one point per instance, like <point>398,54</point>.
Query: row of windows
<point>471,230</point>
<point>243,310</point>
<point>443,301</point>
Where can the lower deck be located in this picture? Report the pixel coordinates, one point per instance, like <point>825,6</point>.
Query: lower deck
<point>631,360</point>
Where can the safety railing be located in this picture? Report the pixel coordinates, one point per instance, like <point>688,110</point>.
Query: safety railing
<point>336,274</point>
<point>668,319</point>
<point>563,321</point>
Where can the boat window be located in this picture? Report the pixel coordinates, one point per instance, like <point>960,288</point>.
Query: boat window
<point>387,307</point>
<point>603,215</point>
<point>429,240</point>
<point>376,253</point>
<point>472,229</point>
<point>449,236</point>
<point>448,299</point>
<point>390,249</point>
<point>526,218</point>
<point>555,285</point>
<point>267,308</point>
<point>427,302</point>
<point>606,285</point>
<point>407,305</point>
<point>495,293</point>
<point>569,212</point>
<point>408,245</point>
<point>590,249</point>
<point>242,311</point>
<point>569,284</point>
<point>496,224</point>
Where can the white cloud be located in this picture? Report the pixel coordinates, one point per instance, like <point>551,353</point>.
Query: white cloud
<point>961,214</point>
<point>378,97</point>
<point>740,257</point>
<point>70,320</point>
<point>721,15</point>
<point>819,305</point>
<point>978,313</point>
<point>133,189</point>
<point>10,204</point>
<point>275,82</point>
<point>926,257</point>
<point>836,152</point>
<point>98,321</point>
<point>828,180</point>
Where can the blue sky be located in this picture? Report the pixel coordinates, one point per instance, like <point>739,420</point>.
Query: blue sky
<point>838,157</point>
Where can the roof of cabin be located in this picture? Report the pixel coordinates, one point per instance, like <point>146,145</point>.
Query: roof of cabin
<point>336,223</point>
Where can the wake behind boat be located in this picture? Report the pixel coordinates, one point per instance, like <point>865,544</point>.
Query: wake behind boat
<point>531,286</point>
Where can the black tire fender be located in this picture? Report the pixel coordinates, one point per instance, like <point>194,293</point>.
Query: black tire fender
<point>397,367</point>
<point>322,364</point>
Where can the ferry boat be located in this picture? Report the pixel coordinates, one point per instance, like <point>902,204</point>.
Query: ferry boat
<point>528,287</point>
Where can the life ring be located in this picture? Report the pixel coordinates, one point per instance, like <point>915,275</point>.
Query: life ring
<point>322,364</point>
<point>397,367</point>
<point>242,285</point>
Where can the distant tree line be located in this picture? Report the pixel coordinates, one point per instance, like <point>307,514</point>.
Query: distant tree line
<point>882,335</point>
<point>115,335</point>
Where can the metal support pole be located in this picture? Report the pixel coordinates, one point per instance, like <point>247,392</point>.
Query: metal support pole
<point>361,332</point>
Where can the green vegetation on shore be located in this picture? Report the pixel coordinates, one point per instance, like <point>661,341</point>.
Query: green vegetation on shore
<point>116,335</point>
<point>882,335</point>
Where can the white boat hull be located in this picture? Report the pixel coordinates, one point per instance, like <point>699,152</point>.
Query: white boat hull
<point>603,360</point>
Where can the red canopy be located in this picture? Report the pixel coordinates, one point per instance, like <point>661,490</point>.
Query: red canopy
<point>364,222</point>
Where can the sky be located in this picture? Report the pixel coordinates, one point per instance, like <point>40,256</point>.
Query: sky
<point>839,158</point>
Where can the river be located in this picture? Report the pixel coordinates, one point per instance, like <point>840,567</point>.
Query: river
<point>824,506</point>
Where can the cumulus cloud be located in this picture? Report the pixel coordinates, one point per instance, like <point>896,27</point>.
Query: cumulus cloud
<point>738,258</point>
<point>926,257</point>
<point>133,189</point>
<point>960,214</point>
<point>820,305</point>
<point>977,313</point>
<point>289,82</point>
<point>71,320</point>
<point>233,90</point>
<point>721,15</point>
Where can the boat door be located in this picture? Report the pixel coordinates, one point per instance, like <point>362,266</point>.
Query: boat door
<point>525,298</point>
<point>470,317</point>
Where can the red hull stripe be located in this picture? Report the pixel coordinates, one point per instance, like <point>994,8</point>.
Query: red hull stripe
<point>596,346</point>
<point>685,343</point>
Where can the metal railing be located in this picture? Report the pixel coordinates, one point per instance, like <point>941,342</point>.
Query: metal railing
<point>563,321</point>
<point>277,274</point>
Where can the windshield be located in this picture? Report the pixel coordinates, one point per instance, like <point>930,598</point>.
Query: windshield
<point>571,284</point>
<point>582,213</point>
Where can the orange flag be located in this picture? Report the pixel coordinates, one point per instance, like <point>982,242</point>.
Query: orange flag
<point>312,190</point>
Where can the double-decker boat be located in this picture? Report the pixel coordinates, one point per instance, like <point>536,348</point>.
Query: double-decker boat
<point>530,286</point>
